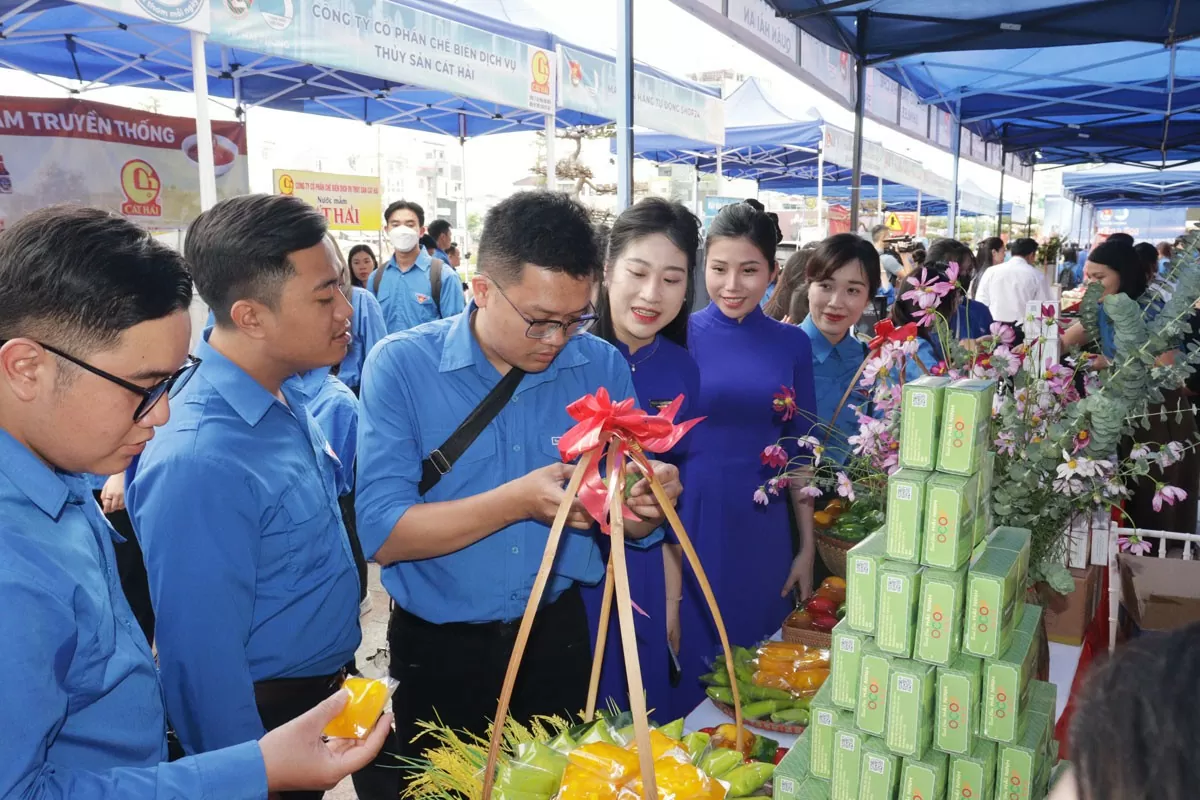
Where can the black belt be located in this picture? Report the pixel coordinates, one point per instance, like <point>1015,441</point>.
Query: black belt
<point>283,690</point>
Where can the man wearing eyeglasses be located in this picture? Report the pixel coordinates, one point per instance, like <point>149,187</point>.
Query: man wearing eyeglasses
<point>460,560</point>
<point>94,333</point>
<point>250,567</point>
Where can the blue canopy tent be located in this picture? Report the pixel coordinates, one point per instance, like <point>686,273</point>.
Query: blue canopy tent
<point>1144,189</point>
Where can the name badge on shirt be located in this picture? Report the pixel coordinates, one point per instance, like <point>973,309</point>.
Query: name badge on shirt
<point>329,452</point>
<point>422,298</point>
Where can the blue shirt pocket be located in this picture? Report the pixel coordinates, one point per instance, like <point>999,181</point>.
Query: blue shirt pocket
<point>477,470</point>
<point>306,520</point>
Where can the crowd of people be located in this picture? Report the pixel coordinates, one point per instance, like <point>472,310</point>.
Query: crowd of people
<point>339,410</point>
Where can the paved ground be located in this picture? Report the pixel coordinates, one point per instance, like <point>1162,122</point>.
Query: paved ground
<point>374,626</point>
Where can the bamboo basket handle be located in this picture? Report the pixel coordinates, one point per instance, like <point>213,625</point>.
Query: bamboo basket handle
<point>845,397</point>
<point>672,515</point>
<point>633,670</point>
<point>589,712</point>
<point>535,599</point>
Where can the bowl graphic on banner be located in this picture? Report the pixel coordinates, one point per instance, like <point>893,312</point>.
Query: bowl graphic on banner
<point>224,152</point>
<point>141,185</point>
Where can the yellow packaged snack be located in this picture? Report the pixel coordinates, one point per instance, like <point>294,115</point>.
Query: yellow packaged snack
<point>662,746</point>
<point>579,783</point>
<point>608,761</point>
<point>367,700</point>
<point>676,781</point>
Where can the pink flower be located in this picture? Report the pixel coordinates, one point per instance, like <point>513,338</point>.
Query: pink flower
<point>1081,441</point>
<point>785,403</point>
<point>1003,333</point>
<point>1171,453</point>
<point>1006,444</point>
<point>1134,544</point>
<point>1167,494</point>
<point>952,271</point>
<point>774,456</point>
<point>760,496</point>
<point>811,491</point>
<point>927,292</point>
<point>926,317</point>
<point>1006,361</point>
<point>844,487</point>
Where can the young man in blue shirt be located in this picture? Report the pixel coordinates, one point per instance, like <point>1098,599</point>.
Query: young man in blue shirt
<point>404,283</point>
<point>440,231</point>
<point>460,561</point>
<point>236,502</point>
<point>94,335</point>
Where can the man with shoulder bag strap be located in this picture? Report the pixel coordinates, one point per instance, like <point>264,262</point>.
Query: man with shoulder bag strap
<point>460,478</point>
<point>409,285</point>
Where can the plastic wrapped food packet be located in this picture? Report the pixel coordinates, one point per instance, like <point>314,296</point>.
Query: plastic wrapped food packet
<point>676,781</point>
<point>614,764</point>
<point>535,770</point>
<point>368,698</point>
<point>579,783</point>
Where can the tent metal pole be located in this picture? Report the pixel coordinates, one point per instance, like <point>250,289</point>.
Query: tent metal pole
<point>696,196</point>
<point>720,170</point>
<point>625,107</point>
<point>551,155</point>
<point>860,93</point>
<point>204,143</point>
<point>1029,217</point>
<point>879,207</point>
<point>1000,205</point>
<point>821,186</point>
<point>919,210</point>
<point>956,151</point>
<point>462,152</point>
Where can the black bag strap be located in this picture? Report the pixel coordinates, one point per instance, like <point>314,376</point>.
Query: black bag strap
<point>375,282</point>
<point>441,461</point>
<point>435,285</point>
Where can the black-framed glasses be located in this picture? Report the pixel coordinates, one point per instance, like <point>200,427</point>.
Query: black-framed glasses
<point>168,386</point>
<point>545,328</point>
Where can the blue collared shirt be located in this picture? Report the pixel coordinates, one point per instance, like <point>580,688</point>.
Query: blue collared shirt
<point>405,297</point>
<point>418,387</point>
<point>335,409</point>
<point>972,319</point>
<point>82,715</point>
<point>834,366</point>
<point>235,505</point>
<point>368,329</point>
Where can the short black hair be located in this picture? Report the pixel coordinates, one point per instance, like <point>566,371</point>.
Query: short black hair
<point>1121,237</point>
<point>1024,247</point>
<point>438,227</point>
<point>743,221</point>
<point>400,205</point>
<point>1122,258</point>
<point>646,218</point>
<point>453,248</point>
<point>546,229</point>
<point>945,250</point>
<point>239,248</point>
<point>361,248</point>
<point>428,242</point>
<point>755,204</point>
<point>1148,255</point>
<point>78,277</point>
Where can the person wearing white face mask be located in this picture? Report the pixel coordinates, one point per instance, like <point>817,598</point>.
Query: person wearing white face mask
<point>412,287</point>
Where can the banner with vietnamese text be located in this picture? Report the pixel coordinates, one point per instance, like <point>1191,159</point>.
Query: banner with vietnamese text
<point>349,202</point>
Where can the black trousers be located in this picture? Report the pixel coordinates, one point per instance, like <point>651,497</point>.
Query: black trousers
<point>131,570</point>
<point>453,672</point>
<point>281,701</point>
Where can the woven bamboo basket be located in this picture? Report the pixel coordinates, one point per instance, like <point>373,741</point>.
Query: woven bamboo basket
<point>809,638</point>
<point>760,724</point>
<point>833,552</point>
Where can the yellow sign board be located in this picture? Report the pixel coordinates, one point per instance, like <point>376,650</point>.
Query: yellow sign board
<point>349,202</point>
<point>893,222</point>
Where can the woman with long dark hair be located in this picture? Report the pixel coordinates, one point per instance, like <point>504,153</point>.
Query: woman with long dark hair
<point>791,278</point>
<point>1116,266</point>
<point>362,263</point>
<point>991,252</point>
<point>933,277</point>
<point>756,388</point>
<point>643,311</point>
<point>972,319</point>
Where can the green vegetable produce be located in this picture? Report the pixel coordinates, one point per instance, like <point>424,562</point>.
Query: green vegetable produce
<point>600,732</point>
<point>762,708</point>
<point>673,730</point>
<point>791,716</point>
<point>718,677</point>
<point>764,749</point>
<point>563,743</point>
<point>742,668</point>
<point>696,744</point>
<point>720,761</point>
<point>748,778</point>
<point>751,692</point>
<point>722,694</point>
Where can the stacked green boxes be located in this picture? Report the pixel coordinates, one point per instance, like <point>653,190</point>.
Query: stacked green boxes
<point>930,695</point>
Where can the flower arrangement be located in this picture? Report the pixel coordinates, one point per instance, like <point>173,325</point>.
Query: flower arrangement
<point>1060,451</point>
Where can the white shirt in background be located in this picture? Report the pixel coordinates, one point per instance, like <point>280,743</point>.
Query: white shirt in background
<point>1007,288</point>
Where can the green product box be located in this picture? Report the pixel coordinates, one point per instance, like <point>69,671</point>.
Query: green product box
<point>920,421</point>
<point>899,596</point>
<point>880,774</point>
<point>973,775</point>
<point>1015,539</point>
<point>824,718</point>
<point>940,615</point>
<point>906,514</point>
<point>994,601</point>
<point>793,769</point>
<point>925,778</point>
<point>847,763</point>
<point>871,714</point>
<point>1021,763</point>
<point>813,789</point>
<point>966,423</point>
<point>862,580</point>
<point>959,698</point>
<point>1006,680</point>
<point>845,664</point>
<point>984,520</point>
<point>950,502</point>
<point>911,708</point>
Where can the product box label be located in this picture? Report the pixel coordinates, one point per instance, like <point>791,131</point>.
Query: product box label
<point>880,772</point>
<point>824,718</point>
<point>1021,762</point>
<point>924,779</point>
<point>906,514</point>
<point>966,426</point>
<point>958,704</point>
<point>845,658</point>
<point>847,763</point>
<point>950,502</point>
<point>862,580</point>
<point>920,421</point>
<point>871,714</point>
<point>940,615</point>
<point>973,775</point>
<point>794,768</point>
<point>1018,540</point>
<point>911,708</point>
<point>993,597</point>
<point>899,593</point>
<point>1006,680</point>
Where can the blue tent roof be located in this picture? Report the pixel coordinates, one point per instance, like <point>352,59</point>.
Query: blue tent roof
<point>896,197</point>
<point>1159,189</point>
<point>94,46</point>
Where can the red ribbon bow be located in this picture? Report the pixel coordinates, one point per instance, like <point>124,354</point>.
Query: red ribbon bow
<point>602,423</point>
<point>886,331</point>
